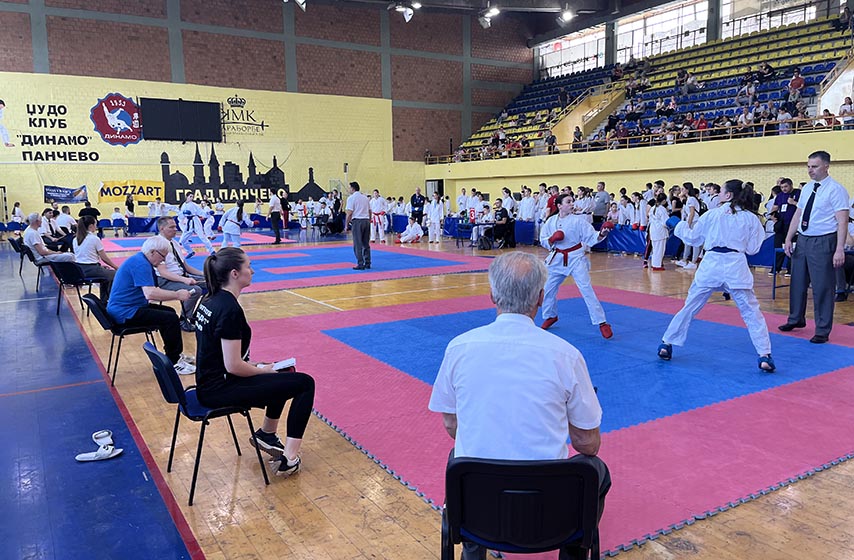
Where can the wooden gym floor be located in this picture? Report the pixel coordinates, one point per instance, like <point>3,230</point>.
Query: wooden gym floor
<point>342,505</point>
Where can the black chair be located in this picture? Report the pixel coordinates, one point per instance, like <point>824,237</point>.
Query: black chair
<point>70,274</point>
<point>188,405</point>
<point>464,229</point>
<point>16,244</point>
<point>97,307</point>
<point>521,506</point>
<point>25,251</point>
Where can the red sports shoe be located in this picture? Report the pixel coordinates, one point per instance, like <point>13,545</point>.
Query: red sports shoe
<point>606,331</point>
<point>658,268</point>
<point>548,322</point>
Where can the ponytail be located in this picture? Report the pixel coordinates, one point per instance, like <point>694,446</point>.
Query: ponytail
<point>239,211</point>
<point>83,228</point>
<point>742,196</point>
<point>219,265</point>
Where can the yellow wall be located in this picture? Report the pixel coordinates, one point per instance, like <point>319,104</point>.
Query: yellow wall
<point>319,131</point>
<point>760,160</point>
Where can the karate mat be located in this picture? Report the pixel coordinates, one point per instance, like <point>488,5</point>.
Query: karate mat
<point>116,244</point>
<point>302,267</point>
<point>683,439</point>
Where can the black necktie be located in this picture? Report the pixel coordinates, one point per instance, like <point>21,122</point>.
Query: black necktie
<point>805,223</point>
<point>178,257</point>
<point>52,231</point>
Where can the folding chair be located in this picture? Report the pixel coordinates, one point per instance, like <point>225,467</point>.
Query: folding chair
<point>108,324</point>
<point>16,243</point>
<point>188,405</point>
<point>70,274</point>
<point>521,506</point>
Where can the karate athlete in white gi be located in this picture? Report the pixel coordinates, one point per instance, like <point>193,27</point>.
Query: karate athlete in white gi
<point>379,209</point>
<point>194,216</point>
<point>412,233</point>
<point>435,212</point>
<point>230,225</point>
<point>565,234</point>
<point>728,233</point>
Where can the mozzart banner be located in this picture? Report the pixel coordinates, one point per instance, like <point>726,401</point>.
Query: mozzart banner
<point>66,131</point>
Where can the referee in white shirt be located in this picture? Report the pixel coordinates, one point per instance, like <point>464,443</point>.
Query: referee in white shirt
<point>821,222</point>
<point>359,213</point>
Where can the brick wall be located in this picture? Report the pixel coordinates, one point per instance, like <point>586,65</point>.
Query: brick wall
<point>147,8</point>
<point>349,24</point>
<point>489,73</point>
<point>338,71</point>
<point>103,48</point>
<point>243,14</point>
<point>225,60</point>
<point>505,40</point>
<point>479,119</point>
<point>16,44</point>
<point>440,33</point>
<point>423,79</point>
<point>490,97</point>
<point>416,130</point>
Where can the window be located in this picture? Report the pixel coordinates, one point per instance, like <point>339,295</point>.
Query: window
<point>577,52</point>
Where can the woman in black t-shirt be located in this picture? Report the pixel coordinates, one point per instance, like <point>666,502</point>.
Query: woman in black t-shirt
<point>226,377</point>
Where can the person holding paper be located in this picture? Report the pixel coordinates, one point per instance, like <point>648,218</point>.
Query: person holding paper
<point>226,377</point>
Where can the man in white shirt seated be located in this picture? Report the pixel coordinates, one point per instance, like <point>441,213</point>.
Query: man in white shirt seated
<point>66,221</point>
<point>412,233</point>
<point>54,238</point>
<point>538,376</point>
<point>175,273</point>
<point>33,240</point>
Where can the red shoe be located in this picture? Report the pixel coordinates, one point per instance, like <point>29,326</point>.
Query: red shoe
<point>606,331</point>
<point>548,322</point>
<point>658,268</point>
<point>645,264</point>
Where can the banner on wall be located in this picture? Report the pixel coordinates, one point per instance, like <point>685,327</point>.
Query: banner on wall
<point>142,190</point>
<point>65,195</point>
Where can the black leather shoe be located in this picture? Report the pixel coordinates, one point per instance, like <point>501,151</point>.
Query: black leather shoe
<point>367,267</point>
<point>791,326</point>
<point>358,268</point>
<point>819,339</point>
<point>841,297</point>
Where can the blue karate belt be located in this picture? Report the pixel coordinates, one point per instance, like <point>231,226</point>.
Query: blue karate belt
<point>723,250</point>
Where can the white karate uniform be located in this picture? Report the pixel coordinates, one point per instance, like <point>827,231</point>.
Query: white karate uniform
<point>4,134</point>
<point>231,227</point>
<point>301,211</point>
<point>462,203</point>
<point>642,213</point>
<point>208,222</point>
<point>379,223</point>
<point>435,212</point>
<point>527,209</point>
<point>509,204</point>
<point>155,210</point>
<point>729,272</point>
<point>658,234</point>
<point>194,216</point>
<point>626,214</point>
<point>576,230</point>
<point>412,233</point>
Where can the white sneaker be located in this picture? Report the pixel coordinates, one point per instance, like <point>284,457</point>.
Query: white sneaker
<point>183,368</point>
<point>189,358</point>
<point>680,263</point>
<point>690,266</point>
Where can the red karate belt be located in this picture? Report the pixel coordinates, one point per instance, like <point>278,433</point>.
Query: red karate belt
<point>565,253</point>
<point>375,217</point>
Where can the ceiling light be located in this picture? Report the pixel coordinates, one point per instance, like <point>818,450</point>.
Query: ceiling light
<point>301,4</point>
<point>416,5</point>
<point>407,14</point>
<point>484,22</point>
<point>491,12</point>
<point>566,15</point>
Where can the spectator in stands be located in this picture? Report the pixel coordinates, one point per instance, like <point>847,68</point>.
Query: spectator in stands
<point>633,111</point>
<point>691,85</point>
<point>766,73</point>
<point>765,125</point>
<point>577,139</point>
<point>784,125</point>
<point>796,86</point>
<point>551,143</point>
<point>598,142</point>
<point>617,73</point>
<point>749,76</point>
<point>701,125</point>
<point>746,96</point>
<point>563,97</point>
<point>631,87</point>
<point>828,120</point>
<point>744,123</point>
<point>843,22</point>
<point>846,113</point>
<point>803,123</point>
<point>613,119</point>
<point>681,80</point>
<point>644,67</point>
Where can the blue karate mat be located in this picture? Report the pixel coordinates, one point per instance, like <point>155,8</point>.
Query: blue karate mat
<point>635,386</point>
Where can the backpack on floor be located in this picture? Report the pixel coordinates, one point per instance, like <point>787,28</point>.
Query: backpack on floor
<point>484,243</point>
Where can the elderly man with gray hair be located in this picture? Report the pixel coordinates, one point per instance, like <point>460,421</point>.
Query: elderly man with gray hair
<point>510,390</point>
<point>135,286</point>
<point>34,241</point>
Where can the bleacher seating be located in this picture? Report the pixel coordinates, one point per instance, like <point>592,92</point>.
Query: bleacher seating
<point>719,65</point>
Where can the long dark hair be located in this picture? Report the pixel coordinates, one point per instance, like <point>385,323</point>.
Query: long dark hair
<point>742,195</point>
<point>83,228</point>
<point>239,211</point>
<point>219,265</point>
<point>560,198</point>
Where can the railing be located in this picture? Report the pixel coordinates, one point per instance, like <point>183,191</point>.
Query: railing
<point>662,138</point>
<point>839,67</point>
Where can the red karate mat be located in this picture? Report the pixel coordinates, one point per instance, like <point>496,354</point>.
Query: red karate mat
<point>666,472</point>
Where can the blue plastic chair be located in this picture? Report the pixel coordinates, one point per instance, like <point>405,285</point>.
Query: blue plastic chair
<point>188,405</point>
